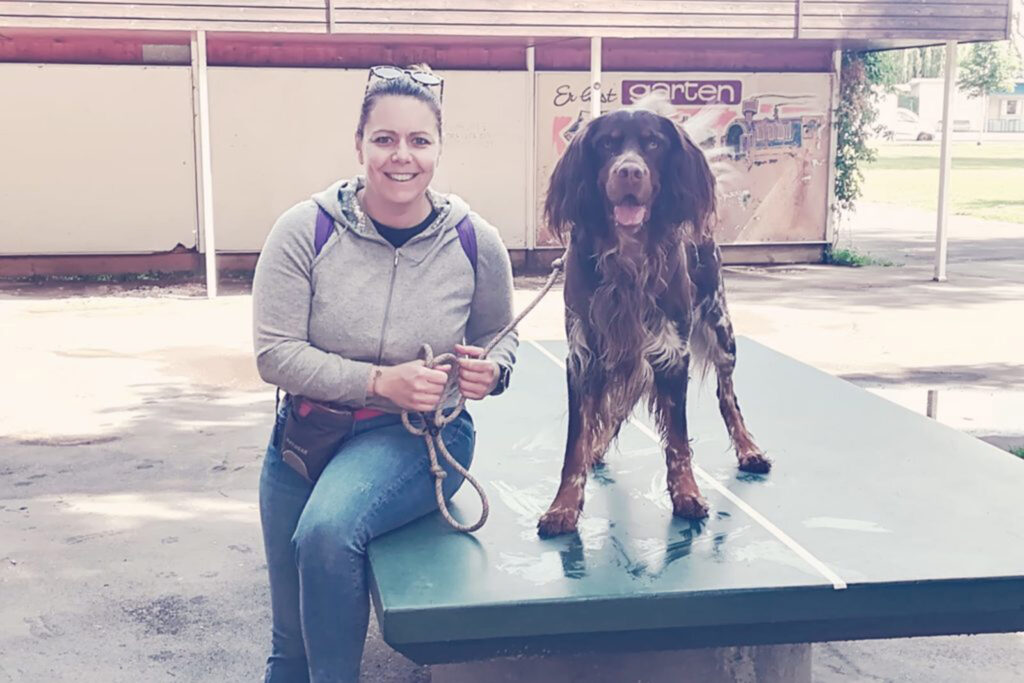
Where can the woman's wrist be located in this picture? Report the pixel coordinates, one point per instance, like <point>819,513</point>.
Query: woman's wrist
<point>501,381</point>
<point>373,386</point>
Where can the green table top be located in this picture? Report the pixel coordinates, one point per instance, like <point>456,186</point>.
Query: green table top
<point>875,522</point>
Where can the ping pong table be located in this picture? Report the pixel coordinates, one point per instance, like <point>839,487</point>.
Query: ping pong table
<point>875,522</point>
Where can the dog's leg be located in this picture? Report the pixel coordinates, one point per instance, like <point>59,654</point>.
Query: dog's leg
<point>564,511</point>
<point>670,409</point>
<point>723,355</point>
<point>704,262</point>
<point>751,457</point>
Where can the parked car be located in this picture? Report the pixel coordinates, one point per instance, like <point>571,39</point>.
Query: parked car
<point>906,125</point>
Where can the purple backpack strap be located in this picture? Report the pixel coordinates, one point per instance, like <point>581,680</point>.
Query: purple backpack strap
<point>467,236</point>
<point>324,225</point>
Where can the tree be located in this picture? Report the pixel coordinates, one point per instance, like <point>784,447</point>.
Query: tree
<point>902,66</point>
<point>988,68</point>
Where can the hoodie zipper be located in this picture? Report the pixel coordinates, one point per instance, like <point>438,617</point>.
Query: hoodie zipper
<point>387,308</point>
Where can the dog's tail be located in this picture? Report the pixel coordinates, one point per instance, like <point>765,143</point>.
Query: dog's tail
<point>701,129</point>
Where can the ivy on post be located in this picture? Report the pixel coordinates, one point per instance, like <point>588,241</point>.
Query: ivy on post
<point>855,121</point>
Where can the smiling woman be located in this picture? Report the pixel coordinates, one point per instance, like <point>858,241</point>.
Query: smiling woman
<point>399,149</point>
<point>398,143</point>
<point>348,287</point>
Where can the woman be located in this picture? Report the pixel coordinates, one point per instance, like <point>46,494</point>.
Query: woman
<point>344,324</point>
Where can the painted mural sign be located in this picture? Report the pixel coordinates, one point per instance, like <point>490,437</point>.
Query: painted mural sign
<point>686,91</point>
<point>767,135</point>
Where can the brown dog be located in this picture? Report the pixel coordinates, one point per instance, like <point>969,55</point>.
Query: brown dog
<point>643,294</point>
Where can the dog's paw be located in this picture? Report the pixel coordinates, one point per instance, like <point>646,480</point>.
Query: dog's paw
<point>690,507</point>
<point>557,521</point>
<point>755,461</point>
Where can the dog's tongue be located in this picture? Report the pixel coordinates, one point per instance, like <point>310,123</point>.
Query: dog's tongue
<point>630,215</point>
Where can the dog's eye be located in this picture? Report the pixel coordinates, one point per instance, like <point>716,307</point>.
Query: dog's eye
<point>607,143</point>
<point>653,143</point>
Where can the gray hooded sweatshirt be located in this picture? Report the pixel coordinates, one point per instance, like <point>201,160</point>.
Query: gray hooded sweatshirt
<point>320,323</point>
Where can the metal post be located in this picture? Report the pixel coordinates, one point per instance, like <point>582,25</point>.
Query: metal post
<point>531,148</point>
<point>945,163</point>
<point>204,172</point>
<point>595,77</point>
<point>832,216</point>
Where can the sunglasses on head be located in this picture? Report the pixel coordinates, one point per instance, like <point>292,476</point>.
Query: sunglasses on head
<point>387,73</point>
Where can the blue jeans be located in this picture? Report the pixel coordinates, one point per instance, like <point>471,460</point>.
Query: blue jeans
<point>316,536</point>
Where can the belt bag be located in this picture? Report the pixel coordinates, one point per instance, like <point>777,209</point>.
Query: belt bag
<point>313,433</point>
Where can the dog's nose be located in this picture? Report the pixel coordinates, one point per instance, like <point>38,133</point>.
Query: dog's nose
<point>631,170</point>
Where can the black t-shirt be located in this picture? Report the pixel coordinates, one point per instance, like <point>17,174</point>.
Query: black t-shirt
<point>399,236</point>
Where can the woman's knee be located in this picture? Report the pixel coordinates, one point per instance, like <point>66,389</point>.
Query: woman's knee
<point>325,540</point>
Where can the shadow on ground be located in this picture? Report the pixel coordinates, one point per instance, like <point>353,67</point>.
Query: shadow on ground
<point>137,555</point>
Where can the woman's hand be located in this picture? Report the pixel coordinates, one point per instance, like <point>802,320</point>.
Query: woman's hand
<point>412,385</point>
<point>477,378</point>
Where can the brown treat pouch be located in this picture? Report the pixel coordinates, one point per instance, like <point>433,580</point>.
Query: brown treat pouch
<point>313,433</point>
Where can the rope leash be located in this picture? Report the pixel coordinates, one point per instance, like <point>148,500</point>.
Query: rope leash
<point>434,423</point>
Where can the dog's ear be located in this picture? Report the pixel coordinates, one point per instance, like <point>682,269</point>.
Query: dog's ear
<point>573,198</point>
<point>687,183</point>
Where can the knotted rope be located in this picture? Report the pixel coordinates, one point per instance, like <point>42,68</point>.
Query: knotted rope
<point>435,422</point>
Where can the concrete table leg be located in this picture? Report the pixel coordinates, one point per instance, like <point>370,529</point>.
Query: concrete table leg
<point>761,664</point>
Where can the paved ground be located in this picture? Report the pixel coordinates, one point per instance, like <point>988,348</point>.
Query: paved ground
<point>132,426</point>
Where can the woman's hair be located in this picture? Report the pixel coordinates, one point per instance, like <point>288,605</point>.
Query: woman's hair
<point>402,85</point>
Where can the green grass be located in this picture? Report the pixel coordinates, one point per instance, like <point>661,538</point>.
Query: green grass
<point>1019,451</point>
<point>987,179</point>
<point>105,278</point>
<point>854,259</point>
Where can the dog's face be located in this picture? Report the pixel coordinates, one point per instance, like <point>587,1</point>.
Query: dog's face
<point>631,148</point>
<point>631,171</point>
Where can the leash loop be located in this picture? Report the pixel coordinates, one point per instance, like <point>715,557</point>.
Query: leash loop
<point>434,423</point>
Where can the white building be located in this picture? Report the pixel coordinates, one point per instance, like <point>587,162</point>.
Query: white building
<point>1005,111</point>
<point>995,113</point>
